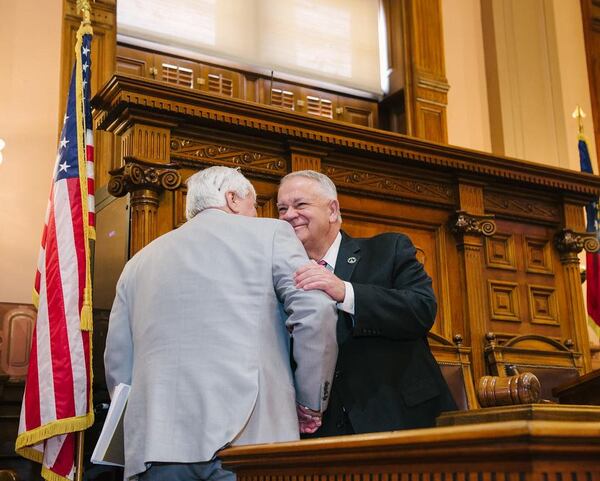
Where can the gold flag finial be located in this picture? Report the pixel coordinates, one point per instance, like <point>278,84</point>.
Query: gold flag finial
<point>86,11</point>
<point>579,114</point>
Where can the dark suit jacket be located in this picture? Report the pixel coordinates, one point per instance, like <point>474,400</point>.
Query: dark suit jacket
<point>386,377</point>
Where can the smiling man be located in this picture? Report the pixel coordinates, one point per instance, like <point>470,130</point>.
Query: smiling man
<point>386,377</point>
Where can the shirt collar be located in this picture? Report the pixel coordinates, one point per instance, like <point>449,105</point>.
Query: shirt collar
<point>331,256</point>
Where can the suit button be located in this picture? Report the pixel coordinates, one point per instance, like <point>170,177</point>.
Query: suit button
<point>337,374</point>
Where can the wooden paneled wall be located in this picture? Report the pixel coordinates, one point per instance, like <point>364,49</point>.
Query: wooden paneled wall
<point>499,237</point>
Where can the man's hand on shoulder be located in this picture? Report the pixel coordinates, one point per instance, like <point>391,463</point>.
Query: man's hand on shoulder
<point>313,276</point>
<point>308,420</point>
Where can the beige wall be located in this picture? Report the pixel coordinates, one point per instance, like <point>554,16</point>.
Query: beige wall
<point>565,16</point>
<point>30,36</point>
<point>516,70</point>
<point>468,115</point>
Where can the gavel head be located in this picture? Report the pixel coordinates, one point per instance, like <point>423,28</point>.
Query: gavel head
<point>522,388</point>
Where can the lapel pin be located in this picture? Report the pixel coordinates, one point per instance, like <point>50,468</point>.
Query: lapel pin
<point>351,260</point>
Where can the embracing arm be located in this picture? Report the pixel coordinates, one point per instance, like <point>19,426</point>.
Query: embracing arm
<point>406,308</point>
<point>312,318</point>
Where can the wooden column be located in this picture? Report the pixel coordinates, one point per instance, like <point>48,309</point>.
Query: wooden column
<point>426,86</point>
<point>569,242</point>
<point>469,224</point>
<point>145,173</point>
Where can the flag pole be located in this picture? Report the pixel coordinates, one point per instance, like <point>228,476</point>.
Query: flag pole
<point>84,7</point>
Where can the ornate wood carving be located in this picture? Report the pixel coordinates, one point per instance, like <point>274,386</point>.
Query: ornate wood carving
<point>137,175</point>
<point>144,182</point>
<point>129,95</point>
<point>570,243</point>
<point>192,153</point>
<point>465,223</point>
<point>509,204</point>
<point>402,187</point>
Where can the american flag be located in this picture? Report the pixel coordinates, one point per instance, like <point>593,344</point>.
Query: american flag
<point>592,259</point>
<point>57,400</point>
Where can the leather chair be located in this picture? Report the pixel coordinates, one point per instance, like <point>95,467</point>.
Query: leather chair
<point>550,361</point>
<point>455,364</point>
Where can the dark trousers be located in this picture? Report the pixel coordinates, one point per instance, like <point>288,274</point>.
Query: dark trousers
<point>209,471</point>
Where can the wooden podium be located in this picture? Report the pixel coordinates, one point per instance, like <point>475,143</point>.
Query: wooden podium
<point>522,450</point>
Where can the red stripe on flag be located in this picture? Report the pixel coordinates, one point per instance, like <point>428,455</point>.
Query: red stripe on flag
<point>89,152</point>
<point>38,278</point>
<point>59,339</point>
<point>74,190</point>
<point>66,457</point>
<point>32,389</point>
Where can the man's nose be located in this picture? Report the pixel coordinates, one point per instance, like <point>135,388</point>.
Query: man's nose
<point>289,214</point>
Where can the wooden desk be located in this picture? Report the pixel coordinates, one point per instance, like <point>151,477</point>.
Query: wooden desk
<point>583,390</point>
<point>502,451</point>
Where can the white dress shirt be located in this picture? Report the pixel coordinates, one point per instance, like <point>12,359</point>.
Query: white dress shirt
<point>347,305</point>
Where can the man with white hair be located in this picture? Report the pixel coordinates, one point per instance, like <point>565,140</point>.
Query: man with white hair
<point>386,377</point>
<point>196,330</point>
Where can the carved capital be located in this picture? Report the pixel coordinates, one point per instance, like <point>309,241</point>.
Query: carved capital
<point>568,242</point>
<point>136,175</point>
<point>465,223</point>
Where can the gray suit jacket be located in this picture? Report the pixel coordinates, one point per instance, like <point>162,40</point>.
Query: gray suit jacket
<point>195,329</point>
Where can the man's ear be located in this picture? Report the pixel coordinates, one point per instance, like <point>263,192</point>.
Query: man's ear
<point>334,211</point>
<point>231,200</point>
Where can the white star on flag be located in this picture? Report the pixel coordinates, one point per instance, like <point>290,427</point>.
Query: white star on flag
<point>63,143</point>
<point>63,167</point>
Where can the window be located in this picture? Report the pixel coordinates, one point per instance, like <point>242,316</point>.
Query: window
<point>330,41</point>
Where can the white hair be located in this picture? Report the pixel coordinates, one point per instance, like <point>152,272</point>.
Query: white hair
<point>325,183</point>
<point>208,188</point>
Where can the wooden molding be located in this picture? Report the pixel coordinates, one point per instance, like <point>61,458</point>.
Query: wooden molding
<point>124,98</point>
<point>190,152</point>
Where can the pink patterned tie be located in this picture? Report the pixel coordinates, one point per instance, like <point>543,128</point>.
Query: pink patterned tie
<point>325,265</point>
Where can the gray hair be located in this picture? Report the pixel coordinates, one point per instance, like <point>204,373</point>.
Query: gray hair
<point>325,183</point>
<point>208,188</point>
